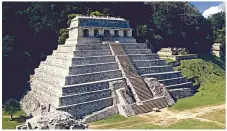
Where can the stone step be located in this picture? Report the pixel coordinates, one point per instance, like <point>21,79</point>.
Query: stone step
<point>84,97</point>
<point>57,90</point>
<point>173,81</point>
<point>68,48</point>
<point>56,69</point>
<point>181,85</point>
<point>39,72</point>
<point>49,83</point>
<point>163,75</point>
<point>181,93</point>
<point>143,57</point>
<point>128,46</point>
<point>154,69</point>
<point>52,60</point>
<point>92,60</point>
<point>144,63</point>
<point>81,69</point>
<point>78,69</point>
<point>82,40</point>
<point>80,60</point>
<point>52,78</point>
<point>87,87</point>
<point>89,77</point>
<point>46,95</point>
<point>149,105</point>
<point>86,108</point>
<point>82,53</point>
<point>138,51</point>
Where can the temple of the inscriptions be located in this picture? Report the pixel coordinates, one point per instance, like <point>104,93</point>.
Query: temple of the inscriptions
<point>101,71</point>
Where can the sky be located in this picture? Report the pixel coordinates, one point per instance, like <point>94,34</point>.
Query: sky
<point>209,8</point>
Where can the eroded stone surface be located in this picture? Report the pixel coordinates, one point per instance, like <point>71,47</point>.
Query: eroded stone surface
<point>54,120</point>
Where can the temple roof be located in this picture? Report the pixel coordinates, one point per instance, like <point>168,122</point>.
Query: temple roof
<point>110,22</point>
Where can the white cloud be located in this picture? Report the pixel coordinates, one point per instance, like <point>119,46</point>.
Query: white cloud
<point>214,9</point>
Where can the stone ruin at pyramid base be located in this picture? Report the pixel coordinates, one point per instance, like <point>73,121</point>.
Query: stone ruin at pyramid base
<point>101,71</point>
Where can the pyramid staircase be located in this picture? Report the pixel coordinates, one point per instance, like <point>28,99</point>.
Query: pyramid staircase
<point>76,78</point>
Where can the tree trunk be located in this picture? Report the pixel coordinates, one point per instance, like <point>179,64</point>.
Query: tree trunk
<point>11,116</point>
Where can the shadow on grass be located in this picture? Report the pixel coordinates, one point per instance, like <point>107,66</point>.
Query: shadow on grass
<point>213,59</point>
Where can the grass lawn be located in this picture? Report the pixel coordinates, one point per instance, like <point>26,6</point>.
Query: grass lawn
<point>168,60</point>
<point>119,122</point>
<point>7,124</point>
<point>194,124</point>
<point>210,74</point>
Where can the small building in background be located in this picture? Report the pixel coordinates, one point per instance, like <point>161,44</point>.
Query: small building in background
<point>216,49</point>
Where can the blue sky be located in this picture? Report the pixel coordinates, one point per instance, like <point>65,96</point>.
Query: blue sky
<point>202,6</point>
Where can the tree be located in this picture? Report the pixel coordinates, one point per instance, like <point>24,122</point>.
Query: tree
<point>7,45</point>
<point>11,106</point>
<point>180,24</point>
<point>64,34</point>
<point>217,22</point>
<point>141,32</point>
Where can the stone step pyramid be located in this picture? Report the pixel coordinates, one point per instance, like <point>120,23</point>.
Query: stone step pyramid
<point>92,78</point>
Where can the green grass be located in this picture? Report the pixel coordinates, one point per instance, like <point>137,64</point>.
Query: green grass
<point>7,124</point>
<point>140,123</point>
<point>194,124</point>
<point>207,71</point>
<point>182,124</point>
<point>18,113</point>
<point>112,119</point>
<point>117,121</point>
<point>168,60</point>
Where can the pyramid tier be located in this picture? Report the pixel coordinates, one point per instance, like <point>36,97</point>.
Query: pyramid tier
<point>87,87</point>
<point>82,109</point>
<point>143,57</point>
<point>79,60</point>
<point>82,53</point>
<point>145,63</point>
<point>78,69</point>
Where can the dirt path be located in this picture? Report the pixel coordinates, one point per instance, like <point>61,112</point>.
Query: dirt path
<point>167,117</point>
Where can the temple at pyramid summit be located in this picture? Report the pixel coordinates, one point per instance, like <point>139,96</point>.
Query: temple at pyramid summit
<point>101,71</point>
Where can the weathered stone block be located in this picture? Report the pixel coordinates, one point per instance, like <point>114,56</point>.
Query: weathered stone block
<point>80,98</point>
<point>144,63</point>
<point>143,57</point>
<point>77,79</point>
<point>154,69</point>
<point>92,68</point>
<point>92,60</point>
<point>138,51</point>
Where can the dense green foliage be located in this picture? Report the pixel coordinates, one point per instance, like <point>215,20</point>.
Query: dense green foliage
<point>217,22</point>
<point>11,106</point>
<point>180,24</point>
<point>32,30</point>
<point>64,34</point>
<point>208,73</point>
